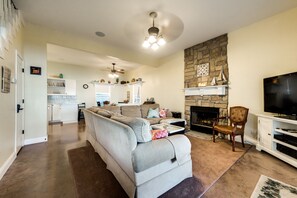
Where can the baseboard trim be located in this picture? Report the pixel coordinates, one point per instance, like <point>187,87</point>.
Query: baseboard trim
<point>7,164</point>
<point>250,140</point>
<point>70,122</point>
<point>35,140</point>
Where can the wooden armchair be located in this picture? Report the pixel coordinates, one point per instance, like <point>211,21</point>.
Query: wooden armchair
<point>237,119</point>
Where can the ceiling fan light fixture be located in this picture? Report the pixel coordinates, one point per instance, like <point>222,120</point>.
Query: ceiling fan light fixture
<point>161,41</point>
<point>113,75</point>
<point>146,44</point>
<point>155,46</point>
<point>154,40</point>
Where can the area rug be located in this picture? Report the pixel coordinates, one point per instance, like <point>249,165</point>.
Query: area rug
<point>200,135</point>
<point>92,179</point>
<point>210,162</point>
<point>268,187</point>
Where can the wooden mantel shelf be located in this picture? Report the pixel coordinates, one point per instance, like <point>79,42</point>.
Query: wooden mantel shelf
<point>206,90</point>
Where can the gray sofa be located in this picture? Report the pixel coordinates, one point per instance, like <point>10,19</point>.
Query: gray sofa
<point>143,167</point>
<point>137,111</point>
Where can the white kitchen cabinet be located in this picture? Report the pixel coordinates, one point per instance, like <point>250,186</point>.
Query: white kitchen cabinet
<point>70,87</point>
<point>69,113</point>
<point>60,86</point>
<point>278,137</point>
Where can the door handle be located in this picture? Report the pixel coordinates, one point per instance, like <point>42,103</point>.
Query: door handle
<point>19,108</point>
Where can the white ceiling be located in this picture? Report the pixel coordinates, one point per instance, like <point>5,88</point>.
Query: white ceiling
<point>125,23</point>
<point>66,55</point>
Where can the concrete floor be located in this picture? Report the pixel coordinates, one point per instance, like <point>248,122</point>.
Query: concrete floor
<point>42,170</point>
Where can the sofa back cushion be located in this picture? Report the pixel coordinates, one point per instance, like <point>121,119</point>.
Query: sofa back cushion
<point>141,127</point>
<point>131,111</point>
<point>115,109</point>
<point>145,108</point>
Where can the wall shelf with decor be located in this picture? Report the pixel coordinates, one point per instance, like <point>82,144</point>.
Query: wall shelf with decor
<point>117,84</point>
<point>60,86</point>
<point>206,90</point>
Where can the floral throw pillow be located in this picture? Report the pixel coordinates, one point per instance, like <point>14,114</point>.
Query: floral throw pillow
<point>158,134</point>
<point>162,113</point>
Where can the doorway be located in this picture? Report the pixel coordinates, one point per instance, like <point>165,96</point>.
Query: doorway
<point>20,118</point>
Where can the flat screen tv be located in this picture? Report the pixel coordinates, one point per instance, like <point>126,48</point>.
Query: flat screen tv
<point>280,95</point>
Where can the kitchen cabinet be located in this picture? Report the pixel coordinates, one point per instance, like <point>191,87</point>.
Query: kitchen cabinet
<point>69,113</point>
<point>60,86</point>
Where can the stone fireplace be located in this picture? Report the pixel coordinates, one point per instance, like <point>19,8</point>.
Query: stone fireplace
<point>202,118</point>
<point>213,53</point>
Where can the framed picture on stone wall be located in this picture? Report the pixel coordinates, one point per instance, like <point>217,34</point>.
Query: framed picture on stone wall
<point>203,70</point>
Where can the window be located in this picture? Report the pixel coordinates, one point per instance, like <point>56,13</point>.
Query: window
<point>136,97</point>
<point>102,93</point>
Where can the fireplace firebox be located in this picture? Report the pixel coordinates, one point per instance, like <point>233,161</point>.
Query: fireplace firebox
<point>202,118</point>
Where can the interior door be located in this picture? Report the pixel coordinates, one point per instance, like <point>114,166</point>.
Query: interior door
<point>19,102</point>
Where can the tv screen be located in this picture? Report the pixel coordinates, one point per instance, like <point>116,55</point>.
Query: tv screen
<point>280,94</point>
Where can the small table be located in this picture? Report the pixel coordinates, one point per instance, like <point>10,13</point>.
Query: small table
<point>172,129</point>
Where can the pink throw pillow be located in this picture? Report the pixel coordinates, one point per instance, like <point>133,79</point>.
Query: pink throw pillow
<point>158,134</point>
<point>162,113</point>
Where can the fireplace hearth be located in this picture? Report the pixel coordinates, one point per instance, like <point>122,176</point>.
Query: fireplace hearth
<point>201,118</point>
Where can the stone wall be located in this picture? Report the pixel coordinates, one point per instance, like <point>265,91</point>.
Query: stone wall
<point>214,52</point>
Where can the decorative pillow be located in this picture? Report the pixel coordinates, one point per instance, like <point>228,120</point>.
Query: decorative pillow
<point>162,113</point>
<point>140,126</point>
<point>153,113</point>
<point>158,134</point>
<point>104,113</point>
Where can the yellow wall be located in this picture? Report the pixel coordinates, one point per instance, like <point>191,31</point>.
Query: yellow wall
<point>165,83</point>
<point>263,49</point>
<point>7,106</point>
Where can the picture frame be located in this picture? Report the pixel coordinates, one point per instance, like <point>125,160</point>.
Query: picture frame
<point>203,69</point>
<point>5,79</point>
<point>34,70</point>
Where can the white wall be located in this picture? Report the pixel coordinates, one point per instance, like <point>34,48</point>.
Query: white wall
<point>8,107</point>
<point>82,75</point>
<point>263,49</point>
<point>35,88</point>
<point>165,83</point>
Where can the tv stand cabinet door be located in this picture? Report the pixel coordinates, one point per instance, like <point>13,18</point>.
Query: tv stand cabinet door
<point>265,132</point>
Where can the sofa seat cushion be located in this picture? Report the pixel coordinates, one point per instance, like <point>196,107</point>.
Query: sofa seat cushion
<point>131,111</point>
<point>154,120</point>
<point>140,126</point>
<point>147,155</point>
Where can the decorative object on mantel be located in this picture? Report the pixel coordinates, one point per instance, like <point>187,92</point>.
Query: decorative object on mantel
<point>203,70</point>
<point>154,40</point>
<point>213,81</point>
<point>133,80</point>
<point>202,84</point>
<point>222,78</point>
<point>102,81</point>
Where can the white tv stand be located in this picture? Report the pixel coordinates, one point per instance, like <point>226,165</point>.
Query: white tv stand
<point>268,129</point>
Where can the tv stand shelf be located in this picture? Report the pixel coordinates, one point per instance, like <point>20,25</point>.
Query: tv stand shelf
<point>278,137</point>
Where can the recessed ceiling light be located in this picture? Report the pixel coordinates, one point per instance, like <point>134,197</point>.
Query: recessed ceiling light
<point>100,34</point>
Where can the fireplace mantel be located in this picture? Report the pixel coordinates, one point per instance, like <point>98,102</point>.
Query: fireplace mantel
<point>206,90</point>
